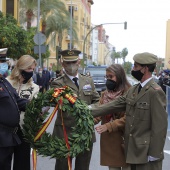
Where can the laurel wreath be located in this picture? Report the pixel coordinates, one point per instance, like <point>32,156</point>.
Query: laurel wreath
<point>47,144</point>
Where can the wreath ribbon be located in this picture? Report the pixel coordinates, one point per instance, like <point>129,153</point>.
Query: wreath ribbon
<point>72,100</point>
<point>40,133</point>
<point>65,136</point>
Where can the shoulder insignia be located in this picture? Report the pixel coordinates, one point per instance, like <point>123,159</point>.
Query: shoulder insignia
<point>83,74</point>
<point>59,77</point>
<point>156,86</point>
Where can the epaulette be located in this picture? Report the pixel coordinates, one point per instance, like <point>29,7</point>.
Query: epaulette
<point>59,77</point>
<point>156,86</point>
<point>83,74</point>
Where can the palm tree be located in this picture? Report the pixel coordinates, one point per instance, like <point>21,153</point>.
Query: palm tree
<point>30,7</point>
<point>27,11</point>
<point>56,25</point>
<point>118,55</point>
<point>124,53</point>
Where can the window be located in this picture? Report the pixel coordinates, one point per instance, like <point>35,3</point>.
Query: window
<point>72,10</point>
<point>10,7</point>
<point>68,46</point>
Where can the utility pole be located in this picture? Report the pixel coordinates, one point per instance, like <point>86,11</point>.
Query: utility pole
<point>38,27</point>
<point>71,25</point>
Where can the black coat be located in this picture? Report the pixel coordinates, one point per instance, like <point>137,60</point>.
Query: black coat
<point>10,106</point>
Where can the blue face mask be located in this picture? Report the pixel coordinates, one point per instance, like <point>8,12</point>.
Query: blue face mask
<point>3,68</point>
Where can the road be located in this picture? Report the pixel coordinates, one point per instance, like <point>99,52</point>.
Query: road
<point>45,163</point>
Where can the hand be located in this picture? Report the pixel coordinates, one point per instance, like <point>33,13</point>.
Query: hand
<point>100,129</point>
<point>45,109</point>
<point>150,158</point>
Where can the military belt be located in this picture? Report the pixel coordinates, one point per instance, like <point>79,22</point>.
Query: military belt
<point>10,129</point>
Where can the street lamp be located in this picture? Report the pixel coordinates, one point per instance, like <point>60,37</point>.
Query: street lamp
<point>125,27</point>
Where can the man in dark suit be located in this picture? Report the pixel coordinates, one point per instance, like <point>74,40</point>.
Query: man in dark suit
<point>84,88</point>
<point>52,76</point>
<point>146,116</point>
<point>47,76</point>
<point>41,80</point>
<point>10,106</point>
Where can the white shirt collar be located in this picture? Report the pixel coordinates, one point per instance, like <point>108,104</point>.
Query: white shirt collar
<point>145,82</point>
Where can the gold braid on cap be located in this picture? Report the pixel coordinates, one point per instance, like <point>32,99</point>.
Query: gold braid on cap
<point>70,52</point>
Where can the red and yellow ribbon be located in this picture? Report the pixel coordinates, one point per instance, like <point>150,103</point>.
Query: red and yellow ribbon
<point>40,133</point>
<point>70,98</point>
<point>34,159</point>
<point>65,137</point>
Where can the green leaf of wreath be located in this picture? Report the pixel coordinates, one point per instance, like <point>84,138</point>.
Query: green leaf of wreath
<point>52,146</point>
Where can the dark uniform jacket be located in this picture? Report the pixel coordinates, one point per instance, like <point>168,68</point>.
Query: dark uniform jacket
<point>146,121</point>
<point>86,93</point>
<point>10,106</point>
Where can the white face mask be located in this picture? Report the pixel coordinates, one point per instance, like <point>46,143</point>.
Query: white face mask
<point>71,69</point>
<point>3,68</point>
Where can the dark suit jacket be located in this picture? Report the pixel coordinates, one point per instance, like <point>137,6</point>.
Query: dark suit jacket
<point>41,79</point>
<point>10,106</point>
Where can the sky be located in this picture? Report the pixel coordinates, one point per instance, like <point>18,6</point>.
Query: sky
<point>146,24</point>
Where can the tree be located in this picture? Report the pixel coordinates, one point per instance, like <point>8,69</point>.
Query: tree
<point>12,36</point>
<point>29,8</point>
<point>55,18</point>
<point>27,11</point>
<point>127,67</point>
<point>124,53</point>
<point>56,25</point>
<point>18,41</point>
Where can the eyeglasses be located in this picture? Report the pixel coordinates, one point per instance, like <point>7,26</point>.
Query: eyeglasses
<point>109,76</point>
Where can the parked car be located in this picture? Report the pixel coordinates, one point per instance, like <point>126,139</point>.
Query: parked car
<point>98,74</point>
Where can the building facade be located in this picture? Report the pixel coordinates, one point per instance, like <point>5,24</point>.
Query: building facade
<point>10,7</point>
<point>81,13</point>
<point>167,49</point>
<point>95,46</point>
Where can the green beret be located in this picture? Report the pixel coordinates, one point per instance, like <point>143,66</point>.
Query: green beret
<point>70,55</point>
<point>145,58</point>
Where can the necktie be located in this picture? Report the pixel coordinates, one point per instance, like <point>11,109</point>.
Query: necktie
<point>75,79</point>
<point>139,89</point>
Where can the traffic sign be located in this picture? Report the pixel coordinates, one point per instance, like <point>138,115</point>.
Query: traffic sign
<point>42,49</point>
<point>39,38</point>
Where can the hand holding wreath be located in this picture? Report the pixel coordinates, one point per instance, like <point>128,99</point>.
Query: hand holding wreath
<point>35,125</point>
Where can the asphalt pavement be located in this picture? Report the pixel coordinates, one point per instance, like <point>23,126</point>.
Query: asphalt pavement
<point>45,163</point>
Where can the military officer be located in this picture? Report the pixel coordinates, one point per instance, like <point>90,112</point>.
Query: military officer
<point>146,117</point>
<point>10,106</point>
<point>84,88</point>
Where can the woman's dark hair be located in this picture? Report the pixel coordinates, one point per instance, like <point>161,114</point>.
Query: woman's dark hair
<point>121,80</point>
